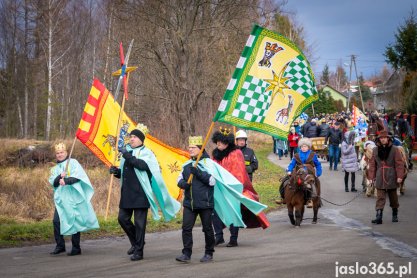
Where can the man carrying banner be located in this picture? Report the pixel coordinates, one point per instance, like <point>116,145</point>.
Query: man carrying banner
<point>198,201</point>
<point>230,157</point>
<point>251,162</point>
<point>72,195</point>
<point>141,184</point>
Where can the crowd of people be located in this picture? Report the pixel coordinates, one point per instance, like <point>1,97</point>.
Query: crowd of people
<point>383,147</point>
<point>219,189</point>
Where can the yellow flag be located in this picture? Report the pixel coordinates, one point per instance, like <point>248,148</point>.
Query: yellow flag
<point>98,127</point>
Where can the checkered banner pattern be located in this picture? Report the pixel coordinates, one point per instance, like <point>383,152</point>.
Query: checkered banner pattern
<point>253,102</point>
<point>245,103</point>
<point>300,77</point>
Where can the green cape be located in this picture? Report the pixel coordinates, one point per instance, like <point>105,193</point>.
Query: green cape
<point>156,190</point>
<point>76,214</point>
<point>228,194</point>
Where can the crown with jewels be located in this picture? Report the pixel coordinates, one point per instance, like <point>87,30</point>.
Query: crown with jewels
<point>60,147</point>
<point>195,141</point>
<point>225,131</point>
<point>143,128</point>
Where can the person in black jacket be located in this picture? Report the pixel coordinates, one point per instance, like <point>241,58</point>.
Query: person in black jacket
<point>323,128</point>
<point>133,199</point>
<point>334,140</point>
<point>251,163</point>
<point>312,130</point>
<point>198,201</point>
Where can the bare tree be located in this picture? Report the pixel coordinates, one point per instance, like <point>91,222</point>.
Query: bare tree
<point>52,21</point>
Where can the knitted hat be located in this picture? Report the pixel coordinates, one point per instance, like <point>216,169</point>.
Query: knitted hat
<point>304,141</point>
<point>140,131</point>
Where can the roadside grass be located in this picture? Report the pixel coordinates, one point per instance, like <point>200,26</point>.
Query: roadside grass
<point>26,205</point>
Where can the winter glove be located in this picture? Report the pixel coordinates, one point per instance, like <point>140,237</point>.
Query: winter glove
<point>196,172</point>
<point>184,185</point>
<point>114,170</point>
<point>125,153</point>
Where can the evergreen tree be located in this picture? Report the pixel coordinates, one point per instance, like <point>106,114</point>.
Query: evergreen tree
<point>325,75</point>
<point>325,104</point>
<point>404,51</point>
<point>411,91</point>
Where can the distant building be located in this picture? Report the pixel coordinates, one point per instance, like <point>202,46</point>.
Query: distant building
<point>335,94</point>
<point>388,96</point>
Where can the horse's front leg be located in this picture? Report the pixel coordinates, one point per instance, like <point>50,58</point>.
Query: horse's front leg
<point>291,213</point>
<point>316,205</point>
<point>298,217</point>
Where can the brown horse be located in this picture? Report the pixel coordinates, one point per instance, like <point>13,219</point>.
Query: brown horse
<point>298,185</point>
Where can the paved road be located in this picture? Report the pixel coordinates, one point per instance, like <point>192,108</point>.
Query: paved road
<point>343,236</point>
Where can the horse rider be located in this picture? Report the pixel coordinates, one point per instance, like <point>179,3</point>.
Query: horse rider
<point>308,159</point>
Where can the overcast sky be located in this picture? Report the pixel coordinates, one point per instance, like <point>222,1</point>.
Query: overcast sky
<point>339,28</point>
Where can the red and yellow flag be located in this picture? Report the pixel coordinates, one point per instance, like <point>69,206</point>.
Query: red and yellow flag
<point>97,131</point>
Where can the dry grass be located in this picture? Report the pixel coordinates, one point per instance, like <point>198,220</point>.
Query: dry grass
<point>25,193</point>
<point>27,197</point>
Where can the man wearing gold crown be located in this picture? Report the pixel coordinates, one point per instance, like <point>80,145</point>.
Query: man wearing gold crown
<point>198,201</point>
<point>212,186</point>
<point>231,158</point>
<point>142,187</point>
<point>72,195</point>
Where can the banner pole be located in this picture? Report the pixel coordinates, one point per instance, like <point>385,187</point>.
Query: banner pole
<point>70,154</point>
<point>201,150</point>
<point>115,157</point>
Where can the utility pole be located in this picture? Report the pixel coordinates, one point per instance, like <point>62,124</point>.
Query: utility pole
<point>350,83</point>
<point>353,60</point>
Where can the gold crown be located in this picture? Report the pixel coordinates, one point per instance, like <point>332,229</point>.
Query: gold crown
<point>225,131</point>
<point>143,128</point>
<point>195,141</point>
<point>60,147</point>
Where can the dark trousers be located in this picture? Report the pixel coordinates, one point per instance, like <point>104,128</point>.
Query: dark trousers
<point>218,228</point>
<point>59,239</point>
<point>381,198</point>
<point>352,177</point>
<point>293,151</point>
<point>188,220</point>
<point>135,232</point>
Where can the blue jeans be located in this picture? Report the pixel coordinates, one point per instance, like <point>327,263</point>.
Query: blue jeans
<point>334,155</point>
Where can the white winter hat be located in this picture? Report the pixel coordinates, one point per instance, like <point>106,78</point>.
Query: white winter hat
<point>304,141</point>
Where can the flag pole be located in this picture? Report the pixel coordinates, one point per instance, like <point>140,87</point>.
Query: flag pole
<point>201,150</point>
<point>123,76</point>
<point>115,157</point>
<point>69,156</point>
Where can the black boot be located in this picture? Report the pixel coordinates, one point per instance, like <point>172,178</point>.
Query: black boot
<point>378,219</point>
<point>346,188</point>
<point>395,215</point>
<point>218,240</point>
<point>352,189</point>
